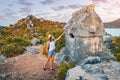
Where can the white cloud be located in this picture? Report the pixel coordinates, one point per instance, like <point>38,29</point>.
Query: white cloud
<point>107,11</point>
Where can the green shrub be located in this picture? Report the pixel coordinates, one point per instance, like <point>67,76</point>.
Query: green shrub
<point>43,49</point>
<point>13,46</point>
<point>1,43</point>
<point>117,55</point>
<point>116,43</point>
<point>63,68</point>
<point>10,50</point>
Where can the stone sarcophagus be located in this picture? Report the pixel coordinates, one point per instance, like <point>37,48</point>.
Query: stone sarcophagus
<point>84,32</point>
<point>84,35</point>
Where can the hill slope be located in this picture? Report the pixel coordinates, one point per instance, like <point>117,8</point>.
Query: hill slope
<point>113,24</point>
<point>15,38</point>
<point>41,27</point>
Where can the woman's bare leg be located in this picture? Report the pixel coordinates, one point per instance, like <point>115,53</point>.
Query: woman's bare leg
<point>52,62</point>
<point>46,62</point>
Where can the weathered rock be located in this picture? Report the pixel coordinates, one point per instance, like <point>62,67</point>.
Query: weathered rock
<point>107,38</point>
<point>84,44</point>
<point>32,49</point>
<point>86,28</point>
<point>2,59</point>
<point>84,36</point>
<point>98,71</point>
<point>90,60</point>
<point>62,56</point>
<point>4,76</point>
<point>78,74</point>
<point>34,41</point>
<point>105,56</point>
<point>108,43</point>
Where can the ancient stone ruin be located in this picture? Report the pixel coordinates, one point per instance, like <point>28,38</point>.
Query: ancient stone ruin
<point>84,44</point>
<point>84,35</point>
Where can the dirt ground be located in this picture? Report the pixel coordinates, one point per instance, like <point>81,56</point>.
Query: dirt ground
<point>27,67</point>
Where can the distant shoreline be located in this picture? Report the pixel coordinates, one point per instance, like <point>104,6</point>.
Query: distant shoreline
<point>113,31</point>
<point>111,27</point>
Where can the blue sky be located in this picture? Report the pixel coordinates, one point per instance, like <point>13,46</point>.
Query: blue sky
<point>56,10</point>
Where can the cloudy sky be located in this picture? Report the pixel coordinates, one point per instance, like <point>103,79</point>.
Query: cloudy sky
<point>56,10</point>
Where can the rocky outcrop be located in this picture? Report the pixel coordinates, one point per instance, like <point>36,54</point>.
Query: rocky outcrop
<point>85,45</point>
<point>92,68</point>
<point>84,36</point>
<point>32,49</point>
<point>34,41</point>
<point>2,59</point>
<point>5,76</point>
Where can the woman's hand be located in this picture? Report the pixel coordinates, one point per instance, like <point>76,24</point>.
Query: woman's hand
<point>46,50</point>
<point>59,36</point>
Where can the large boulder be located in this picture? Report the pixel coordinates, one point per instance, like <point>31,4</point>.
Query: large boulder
<point>84,44</point>
<point>78,74</point>
<point>5,76</point>
<point>83,35</point>
<point>32,49</point>
<point>2,58</point>
<point>92,68</point>
<point>34,41</point>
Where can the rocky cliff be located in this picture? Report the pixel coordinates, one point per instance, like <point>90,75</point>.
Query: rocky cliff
<point>84,36</point>
<point>84,44</point>
<point>93,68</point>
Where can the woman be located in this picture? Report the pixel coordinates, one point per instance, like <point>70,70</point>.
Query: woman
<point>50,49</point>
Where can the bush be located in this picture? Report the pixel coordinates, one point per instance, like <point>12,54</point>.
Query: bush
<point>42,49</point>
<point>10,50</point>
<point>18,40</point>
<point>116,43</point>
<point>13,46</point>
<point>117,55</point>
<point>63,68</point>
<point>1,43</point>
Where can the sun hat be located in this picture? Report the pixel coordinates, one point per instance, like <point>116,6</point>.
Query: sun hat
<point>49,36</point>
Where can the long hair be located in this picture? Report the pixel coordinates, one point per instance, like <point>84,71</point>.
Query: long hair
<point>50,38</point>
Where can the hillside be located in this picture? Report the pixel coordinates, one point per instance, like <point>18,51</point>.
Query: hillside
<point>41,27</point>
<point>16,37</point>
<point>113,24</point>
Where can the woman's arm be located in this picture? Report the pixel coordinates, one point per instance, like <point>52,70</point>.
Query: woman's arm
<point>47,47</point>
<point>59,37</point>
